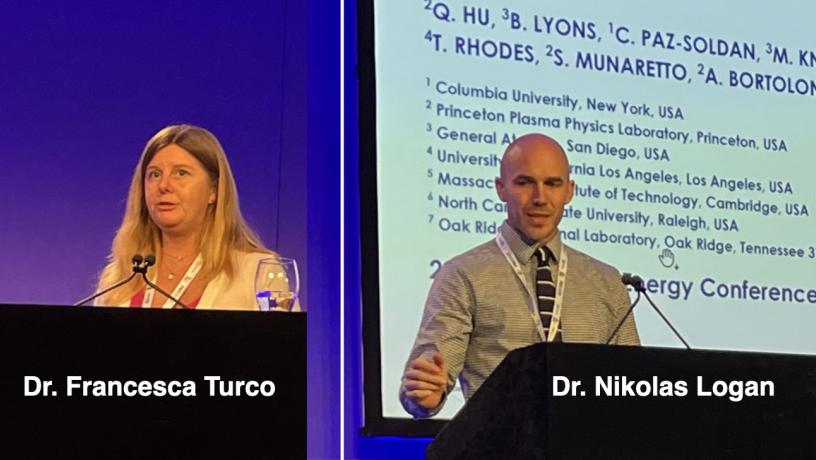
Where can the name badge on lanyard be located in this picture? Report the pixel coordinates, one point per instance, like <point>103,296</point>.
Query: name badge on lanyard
<point>180,288</point>
<point>532,299</point>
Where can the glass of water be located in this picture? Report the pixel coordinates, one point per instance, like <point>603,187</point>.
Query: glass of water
<point>277,284</point>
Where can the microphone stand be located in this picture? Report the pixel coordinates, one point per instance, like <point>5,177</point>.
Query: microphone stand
<point>637,283</point>
<point>628,312</point>
<point>137,268</point>
<point>666,320</point>
<point>150,260</point>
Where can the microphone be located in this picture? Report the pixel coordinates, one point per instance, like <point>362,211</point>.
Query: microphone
<point>638,285</point>
<point>149,261</point>
<point>137,268</point>
<point>633,280</point>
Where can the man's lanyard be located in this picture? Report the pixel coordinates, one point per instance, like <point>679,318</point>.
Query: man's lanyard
<point>180,288</point>
<point>532,299</point>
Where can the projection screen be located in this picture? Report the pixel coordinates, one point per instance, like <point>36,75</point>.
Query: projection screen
<point>688,127</point>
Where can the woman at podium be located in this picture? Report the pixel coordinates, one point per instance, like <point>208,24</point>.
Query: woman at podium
<point>182,208</point>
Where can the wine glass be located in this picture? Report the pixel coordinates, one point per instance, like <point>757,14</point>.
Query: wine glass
<point>277,284</point>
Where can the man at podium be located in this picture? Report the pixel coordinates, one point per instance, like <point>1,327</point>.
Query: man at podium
<point>522,287</point>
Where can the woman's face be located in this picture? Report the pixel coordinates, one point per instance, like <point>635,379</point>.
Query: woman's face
<point>177,191</point>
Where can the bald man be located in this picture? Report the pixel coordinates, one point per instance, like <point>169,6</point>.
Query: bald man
<point>484,303</point>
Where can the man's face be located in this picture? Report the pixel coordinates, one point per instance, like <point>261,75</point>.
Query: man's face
<point>535,185</point>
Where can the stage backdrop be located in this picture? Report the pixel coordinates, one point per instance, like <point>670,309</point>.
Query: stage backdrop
<point>83,87</point>
<point>687,127</point>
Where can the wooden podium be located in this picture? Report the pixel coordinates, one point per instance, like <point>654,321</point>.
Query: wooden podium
<point>111,344</point>
<point>515,414</point>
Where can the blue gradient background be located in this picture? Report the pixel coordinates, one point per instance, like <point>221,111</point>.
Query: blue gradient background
<point>85,85</point>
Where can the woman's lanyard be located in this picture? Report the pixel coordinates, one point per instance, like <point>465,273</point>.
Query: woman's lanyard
<point>180,288</point>
<point>532,299</point>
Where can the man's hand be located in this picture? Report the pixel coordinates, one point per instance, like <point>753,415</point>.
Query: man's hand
<point>426,381</point>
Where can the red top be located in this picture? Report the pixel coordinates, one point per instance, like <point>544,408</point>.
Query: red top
<point>138,298</point>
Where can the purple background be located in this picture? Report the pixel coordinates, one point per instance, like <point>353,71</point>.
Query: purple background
<point>84,86</point>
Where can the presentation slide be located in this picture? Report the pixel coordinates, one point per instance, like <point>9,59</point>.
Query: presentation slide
<point>689,128</point>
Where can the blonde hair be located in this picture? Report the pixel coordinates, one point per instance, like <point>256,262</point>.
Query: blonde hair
<point>225,232</point>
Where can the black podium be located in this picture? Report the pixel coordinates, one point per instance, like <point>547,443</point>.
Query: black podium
<point>525,410</point>
<point>208,350</point>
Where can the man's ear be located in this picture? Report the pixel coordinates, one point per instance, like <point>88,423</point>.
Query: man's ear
<point>570,191</point>
<point>501,190</point>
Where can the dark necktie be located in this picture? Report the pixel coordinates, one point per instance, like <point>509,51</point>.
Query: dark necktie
<point>545,290</point>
